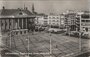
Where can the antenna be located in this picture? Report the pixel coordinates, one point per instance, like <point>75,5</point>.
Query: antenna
<point>24,5</point>
<point>33,10</point>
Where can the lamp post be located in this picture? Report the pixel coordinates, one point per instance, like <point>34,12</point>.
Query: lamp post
<point>80,47</point>
<point>80,36</point>
<point>28,45</point>
<point>10,39</point>
<point>50,44</point>
<point>50,48</point>
<point>1,42</point>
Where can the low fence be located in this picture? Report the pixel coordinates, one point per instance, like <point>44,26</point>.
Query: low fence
<point>19,32</point>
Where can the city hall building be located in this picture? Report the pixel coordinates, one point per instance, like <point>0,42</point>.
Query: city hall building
<point>16,19</point>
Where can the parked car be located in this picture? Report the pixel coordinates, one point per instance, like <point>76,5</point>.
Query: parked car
<point>85,35</point>
<point>55,30</point>
<point>77,34</point>
<point>64,29</point>
<point>40,28</point>
<point>52,30</point>
<point>73,33</point>
<point>36,28</point>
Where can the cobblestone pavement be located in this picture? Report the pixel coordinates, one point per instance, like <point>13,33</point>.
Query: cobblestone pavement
<point>61,45</point>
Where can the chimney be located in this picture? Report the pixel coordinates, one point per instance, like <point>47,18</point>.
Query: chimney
<point>3,7</point>
<point>25,8</point>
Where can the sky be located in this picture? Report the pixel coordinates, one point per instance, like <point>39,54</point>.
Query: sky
<point>47,6</point>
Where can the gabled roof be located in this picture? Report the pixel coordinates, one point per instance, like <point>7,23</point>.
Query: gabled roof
<point>9,12</point>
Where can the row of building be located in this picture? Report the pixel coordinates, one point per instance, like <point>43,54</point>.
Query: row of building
<point>77,21</point>
<point>11,19</point>
<point>74,21</point>
<point>49,20</point>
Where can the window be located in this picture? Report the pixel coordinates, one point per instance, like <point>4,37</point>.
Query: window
<point>24,31</point>
<point>87,20</point>
<point>5,23</point>
<point>53,23</point>
<point>83,20</point>
<point>57,20</point>
<point>53,17</point>
<point>1,24</point>
<point>57,24</point>
<point>45,18</point>
<point>85,16</point>
<point>57,17</point>
<point>20,32</point>
<point>10,22</point>
<point>45,21</point>
<point>16,33</point>
<point>53,20</point>
<point>49,17</point>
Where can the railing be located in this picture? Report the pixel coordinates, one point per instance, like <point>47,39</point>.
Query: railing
<point>19,32</point>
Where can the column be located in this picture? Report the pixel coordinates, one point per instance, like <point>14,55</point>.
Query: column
<point>1,42</point>
<point>12,23</point>
<point>18,24</point>
<point>9,24</point>
<point>0,27</point>
<point>16,21</point>
<point>26,23</point>
<point>1,24</point>
<point>5,24</point>
<point>22,23</point>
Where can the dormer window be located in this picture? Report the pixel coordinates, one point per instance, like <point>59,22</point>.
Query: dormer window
<point>20,13</point>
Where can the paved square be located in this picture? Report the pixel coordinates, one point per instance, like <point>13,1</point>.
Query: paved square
<point>40,43</point>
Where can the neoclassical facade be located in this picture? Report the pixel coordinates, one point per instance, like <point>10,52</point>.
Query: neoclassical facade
<point>16,19</point>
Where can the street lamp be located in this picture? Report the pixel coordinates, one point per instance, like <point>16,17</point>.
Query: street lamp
<point>28,45</point>
<point>80,13</point>
<point>10,39</point>
<point>1,36</point>
<point>1,42</point>
<point>80,35</point>
<point>50,44</point>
